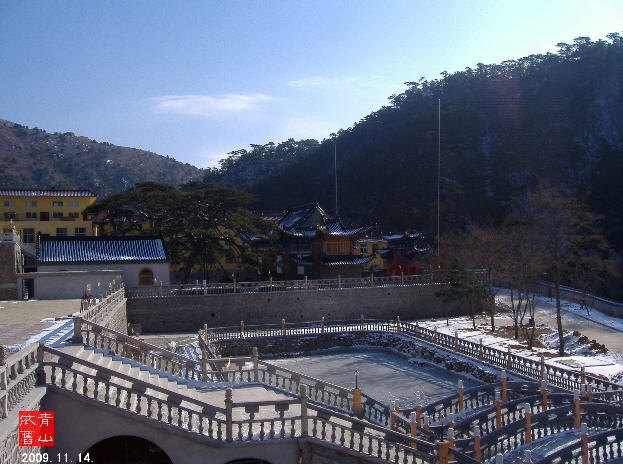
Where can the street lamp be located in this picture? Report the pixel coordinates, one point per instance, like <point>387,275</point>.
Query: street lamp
<point>356,379</point>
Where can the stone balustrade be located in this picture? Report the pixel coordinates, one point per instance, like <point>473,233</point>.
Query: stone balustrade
<point>18,376</point>
<point>568,379</point>
<point>606,446</point>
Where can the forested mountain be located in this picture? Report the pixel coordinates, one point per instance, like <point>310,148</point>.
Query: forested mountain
<point>553,117</point>
<point>35,158</point>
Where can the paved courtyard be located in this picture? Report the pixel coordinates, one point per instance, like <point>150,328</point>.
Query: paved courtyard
<point>21,320</point>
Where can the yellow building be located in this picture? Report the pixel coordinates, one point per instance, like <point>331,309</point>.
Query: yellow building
<point>54,212</point>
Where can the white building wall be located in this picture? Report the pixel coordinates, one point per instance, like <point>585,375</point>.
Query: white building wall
<point>129,274</point>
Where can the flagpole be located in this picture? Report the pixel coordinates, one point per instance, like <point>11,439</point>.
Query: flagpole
<point>335,170</point>
<point>438,170</point>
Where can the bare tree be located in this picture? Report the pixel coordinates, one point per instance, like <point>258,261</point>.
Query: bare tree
<point>569,242</point>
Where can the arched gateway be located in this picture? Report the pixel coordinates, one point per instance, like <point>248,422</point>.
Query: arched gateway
<point>127,450</point>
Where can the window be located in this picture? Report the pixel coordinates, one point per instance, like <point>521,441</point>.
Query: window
<point>9,215</point>
<point>31,215</point>
<point>44,216</point>
<point>57,203</point>
<point>72,203</point>
<point>146,277</point>
<point>80,231</point>
<point>9,203</point>
<point>61,232</point>
<point>28,235</point>
<point>74,215</point>
<point>363,249</point>
<point>57,214</point>
<point>31,203</point>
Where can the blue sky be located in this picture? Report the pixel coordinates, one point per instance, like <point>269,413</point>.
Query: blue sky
<point>197,79</point>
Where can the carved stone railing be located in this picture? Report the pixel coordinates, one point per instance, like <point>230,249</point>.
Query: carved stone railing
<point>117,343</point>
<point>530,368</point>
<point>604,446</point>
<point>234,422</point>
<point>100,311</point>
<point>201,289</point>
<point>543,424</point>
<point>18,376</point>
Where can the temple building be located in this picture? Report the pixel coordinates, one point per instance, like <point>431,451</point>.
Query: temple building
<point>317,246</point>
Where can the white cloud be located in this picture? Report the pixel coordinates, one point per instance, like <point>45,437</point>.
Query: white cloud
<point>320,81</point>
<point>208,105</point>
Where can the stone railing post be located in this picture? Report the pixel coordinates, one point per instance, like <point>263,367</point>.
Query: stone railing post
<point>477,452</point>
<point>543,375</point>
<point>397,324</point>
<point>498,410</point>
<point>584,439</point>
<point>241,329</point>
<point>229,436</point>
<point>283,326</point>
<point>577,414</point>
<point>418,414</point>
<point>456,341</point>
<point>451,420</point>
<point>392,419</point>
<point>528,424</point>
<point>436,337</point>
<point>255,358</point>
<point>442,452</point>
<point>461,391</point>
<point>480,350</point>
<point>425,422</point>
<point>41,380</point>
<point>234,284</point>
<point>450,439</point>
<point>304,424</point>
<point>589,392</point>
<point>271,283</point>
<point>504,381</point>
<point>362,323</point>
<point>417,330</point>
<point>583,375</point>
<point>527,457</point>
<point>413,425</point>
<point>322,324</point>
<point>357,407</point>
<point>509,361</point>
<point>402,278</point>
<point>543,395</point>
<point>77,337</point>
<point>205,287</point>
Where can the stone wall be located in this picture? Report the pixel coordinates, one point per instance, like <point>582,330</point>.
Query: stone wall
<point>10,265</point>
<point>189,313</point>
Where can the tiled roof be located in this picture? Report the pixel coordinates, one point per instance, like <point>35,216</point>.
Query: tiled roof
<point>295,215</point>
<point>46,193</point>
<point>403,236</point>
<point>327,260</point>
<point>74,250</point>
<point>347,260</point>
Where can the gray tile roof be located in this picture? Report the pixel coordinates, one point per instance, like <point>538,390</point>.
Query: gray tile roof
<point>86,250</point>
<point>45,193</point>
